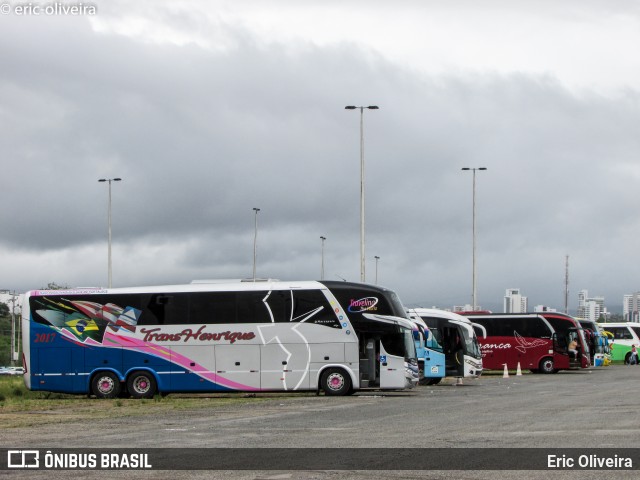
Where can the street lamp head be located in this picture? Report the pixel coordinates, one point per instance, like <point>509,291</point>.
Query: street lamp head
<point>465,168</point>
<point>102,180</point>
<point>256,210</point>
<point>350,107</point>
<point>373,107</point>
<point>323,238</point>
<point>482,168</point>
<point>117,179</point>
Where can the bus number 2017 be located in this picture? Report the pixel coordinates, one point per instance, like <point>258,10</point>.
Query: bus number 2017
<point>44,337</point>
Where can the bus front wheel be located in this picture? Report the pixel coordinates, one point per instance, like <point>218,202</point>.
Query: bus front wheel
<point>141,385</point>
<point>105,385</point>
<point>547,366</point>
<point>335,381</point>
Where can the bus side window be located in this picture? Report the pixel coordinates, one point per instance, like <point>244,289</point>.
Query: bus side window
<point>252,308</point>
<point>165,309</point>
<point>561,341</point>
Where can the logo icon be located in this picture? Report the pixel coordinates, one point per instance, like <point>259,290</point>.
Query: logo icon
<point>366,304</point>
<point>23,459</point>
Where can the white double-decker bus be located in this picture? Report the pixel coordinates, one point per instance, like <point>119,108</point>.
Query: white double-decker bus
<point>236,336</point>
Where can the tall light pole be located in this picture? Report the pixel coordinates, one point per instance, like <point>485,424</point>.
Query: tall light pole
<point>474,295</point>
<point>109,180</point>
<point>377,258</point>
<point>362,260</point>
<point>322,239</point>
<point>255,242</point>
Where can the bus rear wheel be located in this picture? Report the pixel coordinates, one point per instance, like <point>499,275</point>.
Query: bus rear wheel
<point>335,381</point>
<point>547,366</point>
<point>105,385</point>
<point>141,384</point>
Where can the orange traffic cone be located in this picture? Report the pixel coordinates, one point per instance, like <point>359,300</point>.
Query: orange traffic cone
<point>518,371</point>
<point>506,371</point>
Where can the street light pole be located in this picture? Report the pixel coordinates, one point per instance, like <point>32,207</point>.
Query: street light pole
<point>322,239</point>
<point>109,180</point>
<point>474,295</point>
<point>377,258</point>
<point>362,256</point>
<point>255,242</point>
<point>14,351</point>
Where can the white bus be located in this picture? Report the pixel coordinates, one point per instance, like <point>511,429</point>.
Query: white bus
<point>243,336</point>
<point>622,336</point>
<point>457,339</point>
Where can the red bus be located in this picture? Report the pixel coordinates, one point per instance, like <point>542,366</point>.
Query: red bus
<point>536,341</point>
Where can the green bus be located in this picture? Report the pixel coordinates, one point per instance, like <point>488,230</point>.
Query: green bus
<point>623,336</point>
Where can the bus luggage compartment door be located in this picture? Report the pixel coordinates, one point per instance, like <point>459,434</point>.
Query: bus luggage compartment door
<point>392,371</point>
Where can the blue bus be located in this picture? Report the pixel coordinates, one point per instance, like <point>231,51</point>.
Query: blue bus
<point>431,360</point>
<point>456,339</point>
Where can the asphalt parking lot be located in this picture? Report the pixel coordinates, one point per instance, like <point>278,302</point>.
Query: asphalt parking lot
<point>587,409</point>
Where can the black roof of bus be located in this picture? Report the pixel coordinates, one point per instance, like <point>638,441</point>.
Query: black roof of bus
<point>340,285</point>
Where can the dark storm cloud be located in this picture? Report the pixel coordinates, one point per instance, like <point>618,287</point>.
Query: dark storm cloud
<point>201,134</point>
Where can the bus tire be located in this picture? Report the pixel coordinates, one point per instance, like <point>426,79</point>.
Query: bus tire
<point>547,366</point>
<point>105,385</point>
<point>335,381</point>
<point>433,381</point>
<point>141,384</point>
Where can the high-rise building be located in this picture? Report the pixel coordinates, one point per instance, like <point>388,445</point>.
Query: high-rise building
<point>630,307</point>
<point>514,302</point>
<point>590,308</point>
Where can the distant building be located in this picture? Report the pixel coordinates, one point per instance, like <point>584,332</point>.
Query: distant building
<point>465,308</point>
<point>630,307</point>
<point>590,308</point>
<point>514,302</point>
<point>543,308</point>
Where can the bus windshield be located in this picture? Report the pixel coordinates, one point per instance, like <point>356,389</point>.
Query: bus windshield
<point>471,343</point>
<point>409,344</point>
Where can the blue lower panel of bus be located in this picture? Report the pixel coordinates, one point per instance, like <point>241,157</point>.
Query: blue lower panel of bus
<point>64,365</point>
<point>68,369</point>
<point>59,370</point>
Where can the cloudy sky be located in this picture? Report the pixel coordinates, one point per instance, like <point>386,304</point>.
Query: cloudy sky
<point>207,109</point>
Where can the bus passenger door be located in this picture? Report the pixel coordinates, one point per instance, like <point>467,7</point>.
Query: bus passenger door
<point>561,351</point>
<point>392,374</point>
